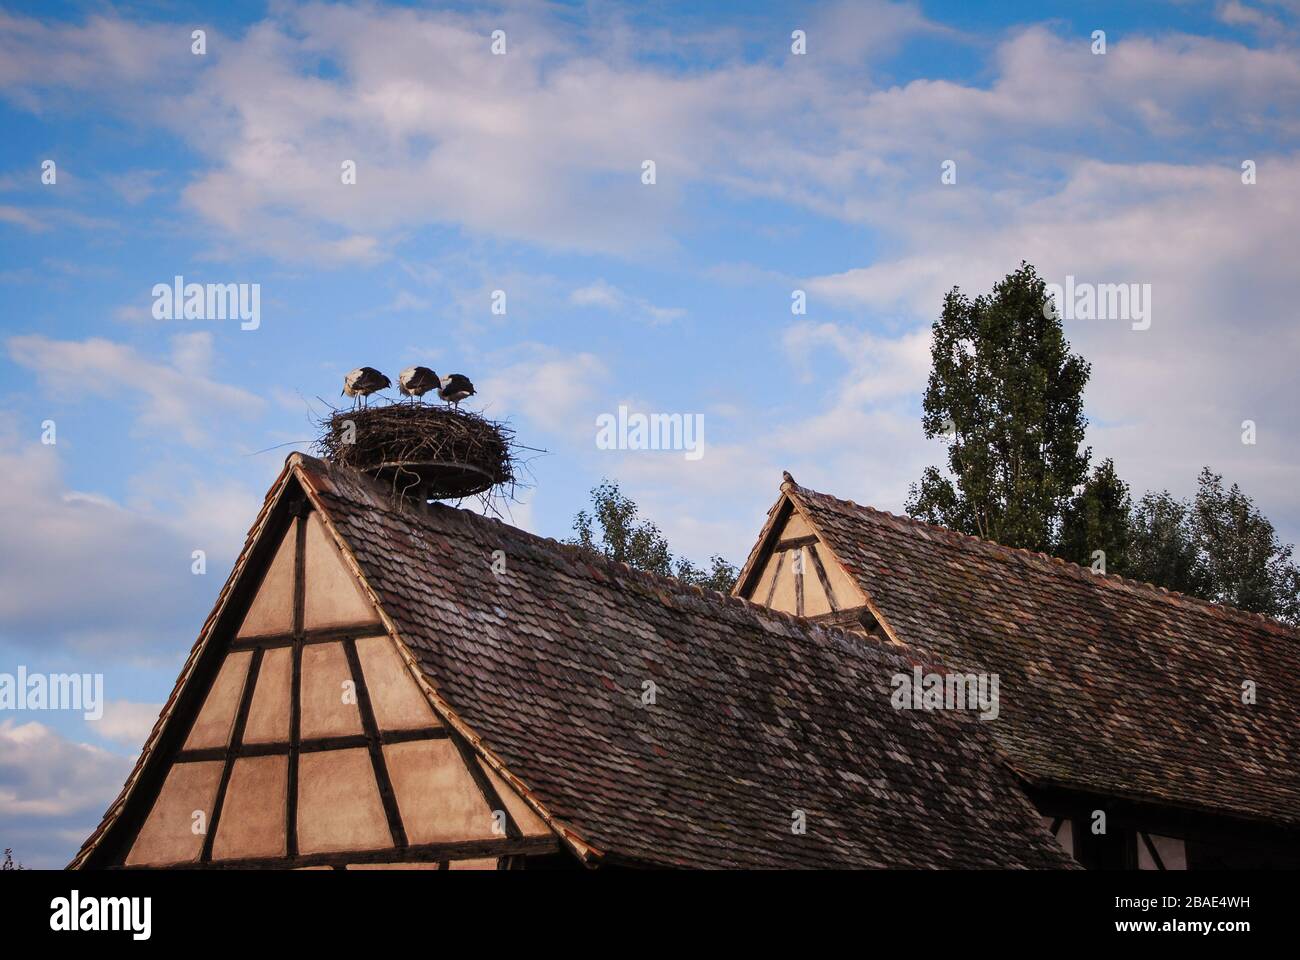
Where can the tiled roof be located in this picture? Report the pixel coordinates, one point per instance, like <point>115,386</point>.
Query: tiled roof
<point>756,714</point>
<point>1106,685</point>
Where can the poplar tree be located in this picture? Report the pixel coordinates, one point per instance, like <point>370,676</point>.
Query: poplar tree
<point>1006,394</point>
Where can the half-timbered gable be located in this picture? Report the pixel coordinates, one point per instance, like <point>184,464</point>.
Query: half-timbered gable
<point>798,573</point>
<point>300,734</point>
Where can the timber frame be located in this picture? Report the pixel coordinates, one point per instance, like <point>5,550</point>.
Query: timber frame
<point>165,747</point>
<point>863,616</point>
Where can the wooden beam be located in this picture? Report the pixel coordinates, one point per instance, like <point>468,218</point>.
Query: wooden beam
<point>489,792</point>
<point>295,686</point>
<point>374,744</point>
<point>1151,849</point>
<point>776,575</point>
<point>416,853</point>
<point>300,569</point>
<point>359,631</point>
<point>760,555</point>
<point>825,580</point>
<point>313,745</point>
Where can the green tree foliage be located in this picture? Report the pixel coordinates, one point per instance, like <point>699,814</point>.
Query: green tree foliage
<point>625,538</point>
<point>1246,565</point>
<point>1097,518</point>
<point>1217,546</point>
<point>1007,394</point>
<point>1162,545</point>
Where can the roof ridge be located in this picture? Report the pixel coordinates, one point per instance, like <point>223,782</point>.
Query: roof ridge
<point>620,567</point>
<point>1047,560</point>
<point>660,579</point>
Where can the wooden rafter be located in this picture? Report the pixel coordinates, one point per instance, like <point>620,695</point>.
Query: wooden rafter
<point>776,576</point>
<point>359,631</point>
<point>1151,849</point>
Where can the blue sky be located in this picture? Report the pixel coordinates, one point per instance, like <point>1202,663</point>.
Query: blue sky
<point>522,173</point>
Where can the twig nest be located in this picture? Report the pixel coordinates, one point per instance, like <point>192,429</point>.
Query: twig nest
<point>425,451</point>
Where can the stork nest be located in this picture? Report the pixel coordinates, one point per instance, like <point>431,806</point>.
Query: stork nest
<point>429,452</point>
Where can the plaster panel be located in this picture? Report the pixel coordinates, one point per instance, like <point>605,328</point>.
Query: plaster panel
<point>436,795</point>
<point>338,803</point>
<point>329,707</point>
<point>168,834</point>
<point>216,718</point>
<point>253,811</point>
<point>398,702</point>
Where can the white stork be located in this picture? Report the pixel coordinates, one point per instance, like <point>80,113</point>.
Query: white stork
<point>456,388</point>
<point>363,381</point>
<point>417,381</point>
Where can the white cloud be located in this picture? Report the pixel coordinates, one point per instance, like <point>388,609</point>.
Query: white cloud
<point>880,367</point>
<point>405,300</point>
<point>132,313</point>
<point>529,145</point>
<point>606,296</point>
<point>135,186</point>
<point>104,56</point>
<point>179,397</point>
<point>53,791</point>
<point>85,574</point>
<point>552,389</point>
<point>127,722</point>
<point>523,146</point>
<point>1265,24</point>
<point>21,218</point>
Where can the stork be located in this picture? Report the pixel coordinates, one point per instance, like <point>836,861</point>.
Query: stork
<point>456,388</point>
<point>363,381</point>
<point>415,382</point>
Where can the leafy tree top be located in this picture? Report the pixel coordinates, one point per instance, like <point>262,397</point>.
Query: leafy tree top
<point>614,530</point>
<point>1007,394</point>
